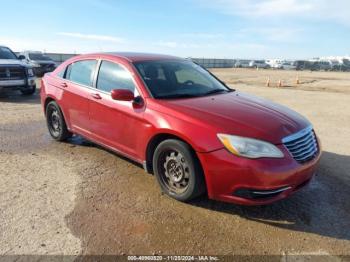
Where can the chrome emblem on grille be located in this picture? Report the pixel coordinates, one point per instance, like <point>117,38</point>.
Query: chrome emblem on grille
<point>8,73</point>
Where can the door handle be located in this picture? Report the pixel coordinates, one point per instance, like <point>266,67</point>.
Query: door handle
<point>64,85</point>
<point>96,96</point>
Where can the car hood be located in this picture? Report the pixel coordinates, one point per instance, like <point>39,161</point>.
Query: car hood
<point>44,62</point>
<point>241,114</point>
<point>13,62</point>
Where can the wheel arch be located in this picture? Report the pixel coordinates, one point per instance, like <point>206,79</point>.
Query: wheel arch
<point>49,99</point>
<point>155,141</point>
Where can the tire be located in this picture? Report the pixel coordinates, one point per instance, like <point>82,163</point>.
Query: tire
<point>28,92</point>
<point>56,123</point>
<point>178,170</point>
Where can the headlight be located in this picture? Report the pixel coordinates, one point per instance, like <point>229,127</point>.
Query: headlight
<point>30,72</point>
<point>249,147</point>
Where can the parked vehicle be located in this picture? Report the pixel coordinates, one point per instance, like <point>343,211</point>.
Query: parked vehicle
<point>307,65</point>
<point>301,64</point>
<point>184,125</point>
<point>321,65</point>
<point>41,63</point>
<point>14,73</point>
<point>275,63</point>
<point>342,65</point>
<point>258,64</point>
<point>334,64</point>
<point>345,66</point>
<point>288,66</point>
<point>242,64</point>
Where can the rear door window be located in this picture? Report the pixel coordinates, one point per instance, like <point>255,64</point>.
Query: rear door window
<point>82,72</point>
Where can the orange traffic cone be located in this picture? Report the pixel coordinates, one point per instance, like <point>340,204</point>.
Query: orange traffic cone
<point>268,82</point>
<point>279,83</point>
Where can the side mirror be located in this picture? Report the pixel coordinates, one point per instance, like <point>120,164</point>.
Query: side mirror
<point>21,57</point>
<point>122,95</point>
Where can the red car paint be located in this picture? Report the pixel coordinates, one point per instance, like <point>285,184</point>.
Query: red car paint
<point>129,128</point>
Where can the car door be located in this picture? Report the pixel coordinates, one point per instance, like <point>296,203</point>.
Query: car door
<point>115,123</point>
<point>77,85</point>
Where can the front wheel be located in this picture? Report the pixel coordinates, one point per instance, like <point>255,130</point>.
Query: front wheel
<point>56,123</point>
<point>178,170</point>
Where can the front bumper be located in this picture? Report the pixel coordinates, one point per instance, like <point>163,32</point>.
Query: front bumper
<point>17,84</point>
<point>254,181</point>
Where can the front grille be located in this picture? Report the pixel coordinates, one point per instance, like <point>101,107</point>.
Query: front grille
<point>302,145</point>
<point>12,73</point>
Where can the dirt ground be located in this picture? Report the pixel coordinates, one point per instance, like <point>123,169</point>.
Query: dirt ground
<point>308,80</point>
<point>76,198</point>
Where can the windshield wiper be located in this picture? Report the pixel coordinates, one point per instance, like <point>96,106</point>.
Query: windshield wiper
<point>178,96</point>
<point>215,91</point>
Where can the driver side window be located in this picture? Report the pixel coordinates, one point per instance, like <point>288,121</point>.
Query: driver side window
<point>113,76</point>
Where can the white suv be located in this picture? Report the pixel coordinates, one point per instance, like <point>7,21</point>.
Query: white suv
<point>258,64</point>
<point>15,74</point>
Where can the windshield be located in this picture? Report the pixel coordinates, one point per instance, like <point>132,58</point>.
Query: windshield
<point>178,79</point>
<point>6,53</point>
<point>39,57</point>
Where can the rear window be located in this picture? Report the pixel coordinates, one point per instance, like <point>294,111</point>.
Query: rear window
<point>81,72</point>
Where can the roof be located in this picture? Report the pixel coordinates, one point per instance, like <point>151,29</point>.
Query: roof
<point>138,57</point>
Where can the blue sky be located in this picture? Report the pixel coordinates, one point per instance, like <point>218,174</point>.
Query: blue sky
<point>196,28</point>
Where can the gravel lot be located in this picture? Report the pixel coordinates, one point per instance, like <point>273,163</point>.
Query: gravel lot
<point>77,198</point>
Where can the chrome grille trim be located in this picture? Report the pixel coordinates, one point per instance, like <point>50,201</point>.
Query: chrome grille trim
<point>12,72</point>
<point>268,192</point>
<point>302,145</point>
<point>312,145</point>
<point>300,140</point>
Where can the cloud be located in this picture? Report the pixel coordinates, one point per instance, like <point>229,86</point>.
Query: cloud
<point>263,7</point>
<point>279,7</point>
<point>105,38</point>
<point>45,45</point>
<point>274,34</point>
<point>324,10</point>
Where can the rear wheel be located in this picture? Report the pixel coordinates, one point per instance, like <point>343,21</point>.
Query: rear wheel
<point>178,170</point>
<point>29,91</point>
<point>56,123</point>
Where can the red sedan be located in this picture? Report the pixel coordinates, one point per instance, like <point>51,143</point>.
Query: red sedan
<point>184,125</point>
